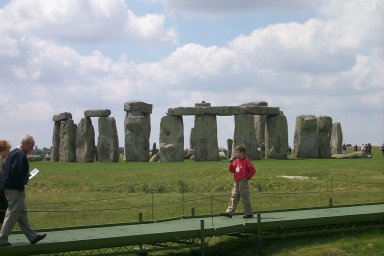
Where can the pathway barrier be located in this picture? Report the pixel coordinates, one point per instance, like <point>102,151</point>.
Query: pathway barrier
<point>145,236</point>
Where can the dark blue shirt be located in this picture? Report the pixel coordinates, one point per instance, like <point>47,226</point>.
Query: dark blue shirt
<point>16,170</point>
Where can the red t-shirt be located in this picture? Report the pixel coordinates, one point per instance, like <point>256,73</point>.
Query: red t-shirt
<point>242,168</point>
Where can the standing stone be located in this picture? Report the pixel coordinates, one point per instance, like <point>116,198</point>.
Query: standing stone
<point>245,134</point>
<point>206,144</point>
<point>276,137</point>
<point>67,141</point>
<point>324,126</point>
<point>192,139</point>
<point>336,139</point>
<point>108,142</point>
<point>260,122</point>
<point>171,139</point>
<point>137,128</point>
<point>55,154</point>
<point>229,148</point>
<point>85,141</point>
<point>306,140</point>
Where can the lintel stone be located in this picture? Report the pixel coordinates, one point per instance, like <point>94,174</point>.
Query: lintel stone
<point>62,117</point>
<point>138,106</point>
<point>97,113</point>
<point>224,111</point>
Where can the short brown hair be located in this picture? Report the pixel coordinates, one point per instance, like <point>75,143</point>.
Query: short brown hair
<point>5,145</point>
<point>240,148</point>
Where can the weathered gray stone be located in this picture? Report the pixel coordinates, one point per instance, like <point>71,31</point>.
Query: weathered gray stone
<point>67,141</point>
<point>154,158</point>
<point>255,104</point>
<point>203,104</point>
<point>137,128</point>
<point>97,113</point>
<point>137,132</point>
<point>108,142</point>
<point>306,139</point>
<point>324,126</point>
<point>223,111</point>
<point>229,148</point>
<point>206,144</point>
<point>35,158</point>
<point>171,139</point>
<point>336,139</point>
<point>139,106</point>
<point>55,153</point>
<point>192,138</point>
<point>62,117</point>
<point>260,123</point>
<point>168,153</point>
<point>359,154</point>
<point>276,137</point>
<point>245,134</point>
<point>85,141</point>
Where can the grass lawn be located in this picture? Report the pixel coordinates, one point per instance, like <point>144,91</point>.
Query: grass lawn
<point>71,194</point>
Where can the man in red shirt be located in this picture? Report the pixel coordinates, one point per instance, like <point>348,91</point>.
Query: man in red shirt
<point>242,170</point>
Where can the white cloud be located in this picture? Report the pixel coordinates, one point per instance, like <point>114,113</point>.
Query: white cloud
<point>83,21</point>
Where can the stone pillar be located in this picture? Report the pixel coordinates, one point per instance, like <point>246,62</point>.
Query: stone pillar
<point>108,142</point>
<point>205,135</point>
<point>324,126</point>
<point>306,140</point>
<point>67,141</point>
<point>260,122</point>
<point>55,153</point>
<point>85,141</point>
<point>276,137</point>
<point>171,139</point>
<point>245,134</point>
<point>192,139</point>
<point>336,139</point>
<point>137,129</point>
<point>229,148</point>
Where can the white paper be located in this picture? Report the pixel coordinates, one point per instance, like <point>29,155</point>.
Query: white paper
<point>33,173</point>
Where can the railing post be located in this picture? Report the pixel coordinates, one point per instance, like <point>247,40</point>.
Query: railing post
<point>202,238</point>
<point>140,217</point>
<point>153,203</point>
<point>330,200</point>
<point>193,212</point>
<point>182,203</point>
<point>259,227</point>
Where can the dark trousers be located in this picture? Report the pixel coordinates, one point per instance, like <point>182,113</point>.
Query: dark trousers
<point>3,205</point>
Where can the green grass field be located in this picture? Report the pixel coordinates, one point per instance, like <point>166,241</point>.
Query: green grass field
<point>71,194</point>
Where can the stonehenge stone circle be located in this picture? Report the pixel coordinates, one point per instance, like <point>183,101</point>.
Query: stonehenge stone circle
<point>262,129</point>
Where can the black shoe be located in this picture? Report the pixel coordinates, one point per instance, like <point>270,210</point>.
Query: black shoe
<point>225,214</point>
<point>6,244</point>
<point>248,216</point>
<point>38,238</point>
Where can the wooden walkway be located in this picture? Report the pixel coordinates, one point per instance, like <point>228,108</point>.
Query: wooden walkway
<point>144,237</point>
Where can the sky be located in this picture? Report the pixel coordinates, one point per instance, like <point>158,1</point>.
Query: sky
<point>322,57</point>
